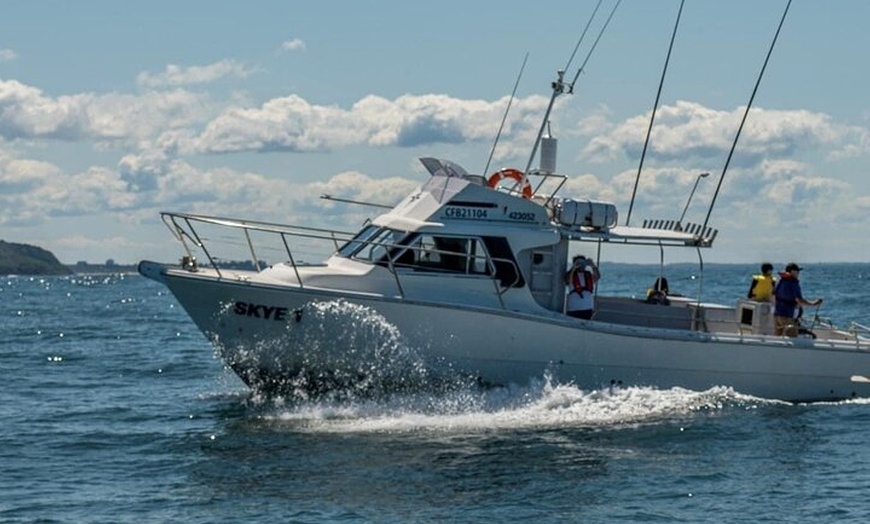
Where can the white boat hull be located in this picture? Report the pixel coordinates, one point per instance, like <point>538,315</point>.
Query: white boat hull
<point>269,334</point>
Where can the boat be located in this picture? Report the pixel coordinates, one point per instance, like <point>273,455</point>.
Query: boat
<point>467,273</point>
<point>472,277</point>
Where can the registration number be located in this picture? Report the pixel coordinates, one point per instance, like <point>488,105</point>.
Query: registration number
<point>466,213</point>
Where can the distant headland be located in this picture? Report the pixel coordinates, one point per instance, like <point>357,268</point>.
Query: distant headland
<point>25,259</point>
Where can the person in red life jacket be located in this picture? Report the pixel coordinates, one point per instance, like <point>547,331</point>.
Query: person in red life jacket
<point>761,288</point>
<point>581,280</point>
<point>788,298</point>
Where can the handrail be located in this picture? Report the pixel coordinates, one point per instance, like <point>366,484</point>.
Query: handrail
<point>182,227</point>
<point>255,225</point>
<point>856,329</point>
<point>180,233</point>
<point>544,178</point>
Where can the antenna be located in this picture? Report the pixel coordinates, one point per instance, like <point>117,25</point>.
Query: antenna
<point>559,85</point>
<point>327,196</point>
<point>504,117</point>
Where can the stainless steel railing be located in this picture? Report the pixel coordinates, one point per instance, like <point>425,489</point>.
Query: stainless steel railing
<point>184,228</point>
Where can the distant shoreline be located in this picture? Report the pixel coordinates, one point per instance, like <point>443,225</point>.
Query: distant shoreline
<point>84,268</point>
<point>28,260</point>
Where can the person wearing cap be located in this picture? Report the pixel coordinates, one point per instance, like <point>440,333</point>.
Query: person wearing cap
<point>761,287</point>
<point>581,280</point>
<point>788,297</point>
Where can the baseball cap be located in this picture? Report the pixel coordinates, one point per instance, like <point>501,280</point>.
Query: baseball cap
<point>792,267</point>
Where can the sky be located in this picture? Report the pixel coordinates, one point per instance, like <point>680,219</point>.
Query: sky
<point>111,112</point>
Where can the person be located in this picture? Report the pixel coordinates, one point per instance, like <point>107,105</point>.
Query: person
<point>658,292</point>
<point>761,287</point>
<point>787,292</point>
<point>581,280</point>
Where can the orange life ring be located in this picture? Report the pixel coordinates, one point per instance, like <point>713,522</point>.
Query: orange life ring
<point>513,174</point>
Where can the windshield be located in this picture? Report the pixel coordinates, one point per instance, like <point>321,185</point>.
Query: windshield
<point>372,243</point>
<point>358,241</point>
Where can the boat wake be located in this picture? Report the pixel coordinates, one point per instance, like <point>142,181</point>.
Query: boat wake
<point>539,406</point>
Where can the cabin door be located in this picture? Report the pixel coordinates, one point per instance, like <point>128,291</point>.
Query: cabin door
<point>546,279</point>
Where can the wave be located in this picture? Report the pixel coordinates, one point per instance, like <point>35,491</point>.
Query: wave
<point>539,406</point>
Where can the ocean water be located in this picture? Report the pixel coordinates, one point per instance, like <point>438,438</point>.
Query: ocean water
<point>113,408</point>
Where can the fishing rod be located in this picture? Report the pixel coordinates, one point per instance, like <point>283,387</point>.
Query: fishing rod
<point>652,117</point>
<point>559,85</point>
<point>594,45</point>
<point>582,35</point>
<point>504,117</point>
<point>745,115</point>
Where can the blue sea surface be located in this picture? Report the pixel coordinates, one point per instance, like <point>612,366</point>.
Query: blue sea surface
<point>114,408</point>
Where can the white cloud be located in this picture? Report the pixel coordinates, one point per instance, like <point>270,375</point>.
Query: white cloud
<point>690,130</point>
<point>294,44</point>
<point>183,122</point>
<point>176,76</point>
<point>160,181</point>
<point>7,55</point>
<point>597,122</point>
<point>293,124</point>
<point>23,175</point>
<point>27,113</point>
<point>44,191</point>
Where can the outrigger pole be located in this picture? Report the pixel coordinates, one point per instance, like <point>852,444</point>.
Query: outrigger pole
<point>504,117</point>
<point>745,114</point>
<point>652,117</point>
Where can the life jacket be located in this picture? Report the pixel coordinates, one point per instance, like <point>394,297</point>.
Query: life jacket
<point>582,280</point>
<point>762,287</point>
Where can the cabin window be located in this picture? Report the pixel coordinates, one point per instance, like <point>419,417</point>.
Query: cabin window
<point>488,256</point>
<point>506,270</point>
<point>445,253</point>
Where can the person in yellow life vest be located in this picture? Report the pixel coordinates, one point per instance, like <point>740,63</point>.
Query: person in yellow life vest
<point>761,287</point>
